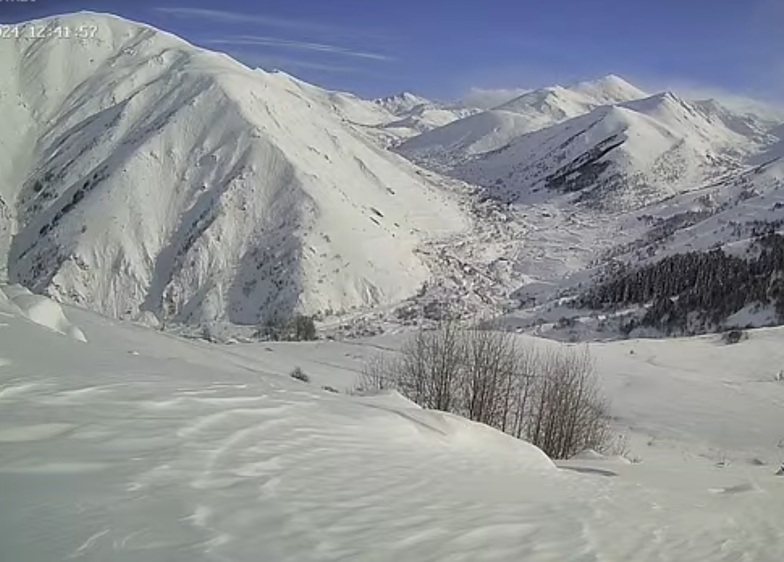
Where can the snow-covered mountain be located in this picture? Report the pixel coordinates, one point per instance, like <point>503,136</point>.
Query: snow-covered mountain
<point>445,147</point>
<point>554,104</point>
<point>139,173</point>
<point>142,177</point>
<point>626,154</point>
<point>350,108</point>
<point>531,111</point>
<point>415,114</point>
<point>402,103</point>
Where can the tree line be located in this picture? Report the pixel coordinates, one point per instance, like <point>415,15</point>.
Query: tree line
<point>696,290</point>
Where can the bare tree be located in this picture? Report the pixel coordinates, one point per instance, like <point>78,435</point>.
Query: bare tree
<point>551,398</point>
<point>568,413</point>
<point>430,367</point>
<point>520,390</point>
<point>489,366</point>
<point>380,372</point>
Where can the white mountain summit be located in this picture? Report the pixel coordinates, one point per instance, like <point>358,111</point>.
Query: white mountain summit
<point>139,173</point>
<point>629,154</point>
<point>531,111</point>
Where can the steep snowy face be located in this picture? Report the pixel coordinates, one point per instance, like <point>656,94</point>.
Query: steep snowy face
<point>402,103</point>
<point>552,105</point>
<point>413,114</point>
<point>483,132</point>
<point>138,173</point>
<point>621,155</point>
<point>350,108</point>
<point>532,111</point>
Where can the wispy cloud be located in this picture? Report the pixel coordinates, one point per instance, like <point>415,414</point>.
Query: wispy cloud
<point>261,41</point>
<point>225,16</point>
<point>752,101</point>
<point>257,19</point>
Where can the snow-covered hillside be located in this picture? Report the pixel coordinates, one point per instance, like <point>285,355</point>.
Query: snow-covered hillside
<point>402,103</point>
<point>531,111</point>
<point>621,155</point>
<point>141,446</point>
<point>138,173</point>
<point>554,104</point>
<point>414,114</point>
<point>445,147</point>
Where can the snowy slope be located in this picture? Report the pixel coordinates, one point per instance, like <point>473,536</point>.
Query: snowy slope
<point>143,174</point>
<point>138,445</point>
<point>531,111</point>
<point>349,107</point>
<point>776,150</point>
<point>415,114</point>
<point>723,214</point>
<point>447,146</point>
<point>402,103</point>
<point>622,155</point>
<point>551,105</point>
<point>15,299</point>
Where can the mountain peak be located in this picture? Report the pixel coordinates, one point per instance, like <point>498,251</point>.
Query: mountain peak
<point>243,193</point>
<point>611,88</point>
<point>614,80</point>
<point>405,96</point>
<point>403,102</point>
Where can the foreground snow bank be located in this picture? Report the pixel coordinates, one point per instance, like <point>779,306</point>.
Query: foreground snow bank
<point>39,309</point>
<point>141,446</point>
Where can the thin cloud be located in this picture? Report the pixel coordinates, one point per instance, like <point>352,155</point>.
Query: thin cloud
<point>240,18</point>
<point>261,41</point>
<point>745,102</point>
<point>225,16</point>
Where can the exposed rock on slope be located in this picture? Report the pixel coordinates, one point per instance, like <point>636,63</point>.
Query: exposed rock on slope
<point>140,173</point>
<point>620,156</point>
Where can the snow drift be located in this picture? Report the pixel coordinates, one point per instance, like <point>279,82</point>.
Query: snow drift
<point>143,446</point>
<point>15,299</point>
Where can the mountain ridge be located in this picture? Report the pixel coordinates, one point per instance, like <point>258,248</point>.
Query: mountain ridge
<point>185,171</point>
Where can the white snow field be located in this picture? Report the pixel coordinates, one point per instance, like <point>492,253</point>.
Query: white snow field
<point>141,446</point>
<point>39,309</point>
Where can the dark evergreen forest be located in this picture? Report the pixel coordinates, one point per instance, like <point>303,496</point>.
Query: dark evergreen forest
<point>696,291</point>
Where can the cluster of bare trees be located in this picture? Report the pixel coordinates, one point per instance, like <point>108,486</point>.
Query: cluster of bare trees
<point>549,397</point>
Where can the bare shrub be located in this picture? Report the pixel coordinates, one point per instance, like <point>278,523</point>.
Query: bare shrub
<point>568,413</point>
<point>549,398</point>
<point>431,364</point>
<point>300,375</point>
<point>734,336</point>
<point>618,446</point>
<point>379,373</point>
<point>298,328</point>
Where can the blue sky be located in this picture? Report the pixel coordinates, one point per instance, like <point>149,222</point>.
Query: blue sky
<point>443,48</point>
